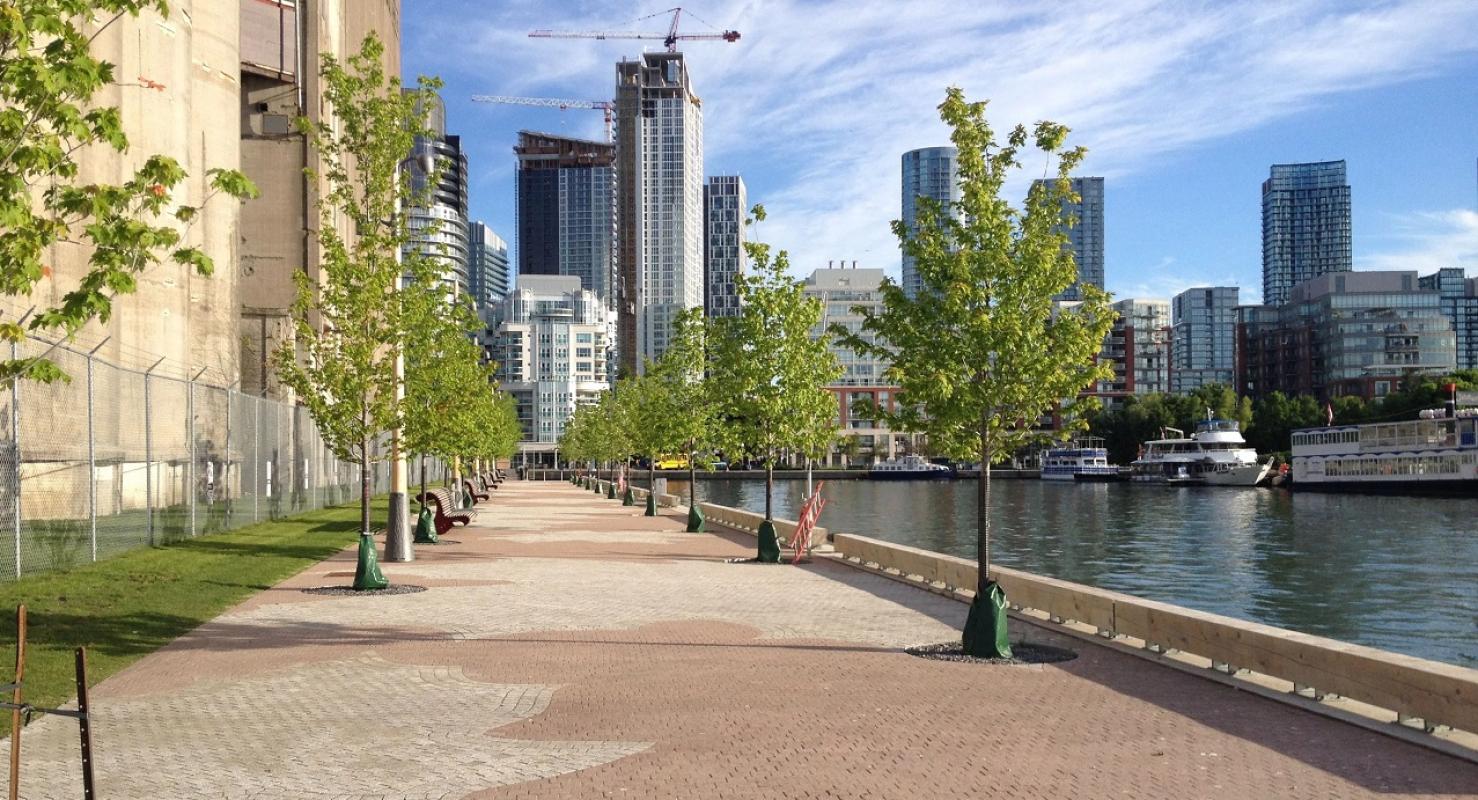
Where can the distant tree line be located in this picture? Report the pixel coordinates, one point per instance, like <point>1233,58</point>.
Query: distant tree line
<point>1267,423</point>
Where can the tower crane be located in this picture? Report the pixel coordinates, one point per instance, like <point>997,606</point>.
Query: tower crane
<point>551,102</point>
<point>670,38</point>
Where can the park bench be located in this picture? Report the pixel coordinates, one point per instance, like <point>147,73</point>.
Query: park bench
<point>471,489</point>
<point>489,482</point>
<point>446,515</point>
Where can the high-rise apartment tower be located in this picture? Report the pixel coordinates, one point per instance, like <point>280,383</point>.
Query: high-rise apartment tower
<point>1085,238</point>
<point>440,227</point>
<point>929,172</point>
<point>724,258</point>
<point>659,155</point>
<point>1305,226</point>
<point>566,210</point>
<point>487,265</point>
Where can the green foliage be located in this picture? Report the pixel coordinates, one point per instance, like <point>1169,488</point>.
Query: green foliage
<point>768,374</point>
<point>980,355</point>
<point>48,78</point>
<point>353,323</point>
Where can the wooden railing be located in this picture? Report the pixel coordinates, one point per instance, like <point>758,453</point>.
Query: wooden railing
<point>1411,687</point>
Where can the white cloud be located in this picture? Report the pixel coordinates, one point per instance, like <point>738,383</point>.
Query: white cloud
<point>1426,241</point>
<point>818,100</point>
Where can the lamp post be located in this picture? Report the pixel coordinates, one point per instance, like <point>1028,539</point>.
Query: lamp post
<point>398,545</point>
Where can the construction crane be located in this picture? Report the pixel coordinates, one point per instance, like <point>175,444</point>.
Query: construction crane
<point>551,102</point>
<point>670,38</point>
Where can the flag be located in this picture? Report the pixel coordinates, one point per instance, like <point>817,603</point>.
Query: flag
<point>1329,414</point>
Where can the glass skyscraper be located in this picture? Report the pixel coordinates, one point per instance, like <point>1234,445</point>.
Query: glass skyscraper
<point>1305,226</point>
<point>440,228</point>
<point>487,269</point>
<point>566,210</point>
<point>659,156</point>
<point>723,247</point>
<point>1203,346</point>
<point>1086,236</point>
<point>927,172</point>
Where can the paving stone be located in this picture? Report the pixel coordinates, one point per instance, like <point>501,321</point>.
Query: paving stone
<point>570,647</point>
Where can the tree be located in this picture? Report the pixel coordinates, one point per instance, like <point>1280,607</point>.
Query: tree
<point>979,354</point>
<point>692,414</point>
<point>770,374</point>
<point>350,325</point>
<point>48,78</point>
<point>448,392</point>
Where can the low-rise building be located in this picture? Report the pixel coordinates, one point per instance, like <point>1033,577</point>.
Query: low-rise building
<point>551,340</point>
<point>1344,333</point>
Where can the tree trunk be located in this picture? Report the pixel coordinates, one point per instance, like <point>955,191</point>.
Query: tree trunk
<point>364,487</point>
<point>692,477</point>
<point>423,481</point>
<point>769,488</point>
<point>982,512</point>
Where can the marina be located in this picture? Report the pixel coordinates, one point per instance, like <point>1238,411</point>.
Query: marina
<point>1397,573</point>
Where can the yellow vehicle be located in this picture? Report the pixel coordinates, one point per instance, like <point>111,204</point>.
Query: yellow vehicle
<point>672,462</point>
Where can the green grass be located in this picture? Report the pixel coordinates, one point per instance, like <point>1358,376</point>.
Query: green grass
<point>128,606</point>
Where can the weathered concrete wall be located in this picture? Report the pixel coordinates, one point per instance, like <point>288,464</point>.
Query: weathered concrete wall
<point>280,231</point>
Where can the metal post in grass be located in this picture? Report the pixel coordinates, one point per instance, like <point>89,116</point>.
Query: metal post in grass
<point>15,436</point>
<point>92,472</point>
<point>149,451</point>
<point>256,464</point>
<point>190,490</point>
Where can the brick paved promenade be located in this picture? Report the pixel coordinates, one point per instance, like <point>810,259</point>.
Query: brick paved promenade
<point>567,647</point>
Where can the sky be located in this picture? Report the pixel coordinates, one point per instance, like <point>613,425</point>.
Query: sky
<point>1182,106</point>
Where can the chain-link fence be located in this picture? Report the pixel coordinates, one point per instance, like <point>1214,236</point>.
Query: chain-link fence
<point>117,458</point>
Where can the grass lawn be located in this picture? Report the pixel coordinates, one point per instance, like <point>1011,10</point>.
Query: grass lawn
<point>128,606</point>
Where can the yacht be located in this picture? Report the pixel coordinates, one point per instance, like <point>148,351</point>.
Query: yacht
<point>1436,454</point>
<point>908,468</point>
<point>1084,460</point>
<point>1215,455</point>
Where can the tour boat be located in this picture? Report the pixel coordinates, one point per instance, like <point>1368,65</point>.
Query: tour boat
<point>1083,460</point>
<point>1215,455</point>
<point>1436,454</point>
<point>908,468</point>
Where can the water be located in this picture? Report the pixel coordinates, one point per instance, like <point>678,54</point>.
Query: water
<point>1397,573</point>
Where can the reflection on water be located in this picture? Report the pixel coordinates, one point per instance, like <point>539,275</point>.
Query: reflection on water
<point>1395,573</point>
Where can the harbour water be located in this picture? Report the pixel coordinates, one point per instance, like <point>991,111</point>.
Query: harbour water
<point>1390,572</point>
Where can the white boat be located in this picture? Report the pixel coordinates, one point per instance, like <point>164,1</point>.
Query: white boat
<point>1437,454</point>
<point>1215,455</point>
<point>908,468</point>
<point>1083,460</point>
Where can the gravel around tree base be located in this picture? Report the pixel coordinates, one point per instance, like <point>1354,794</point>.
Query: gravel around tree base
<point>1022,652</point>
<point>350,591</point>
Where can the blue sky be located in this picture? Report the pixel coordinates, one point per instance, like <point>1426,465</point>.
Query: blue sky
<point>1183,105</point>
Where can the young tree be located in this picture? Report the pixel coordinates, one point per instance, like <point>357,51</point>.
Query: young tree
<point>979,354</point>
<point>48,78</point>
<point>769,373</point>
<point>350,324</point>
<point>650,423</point>
<point>691,411</point>
<point>445,381</point>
